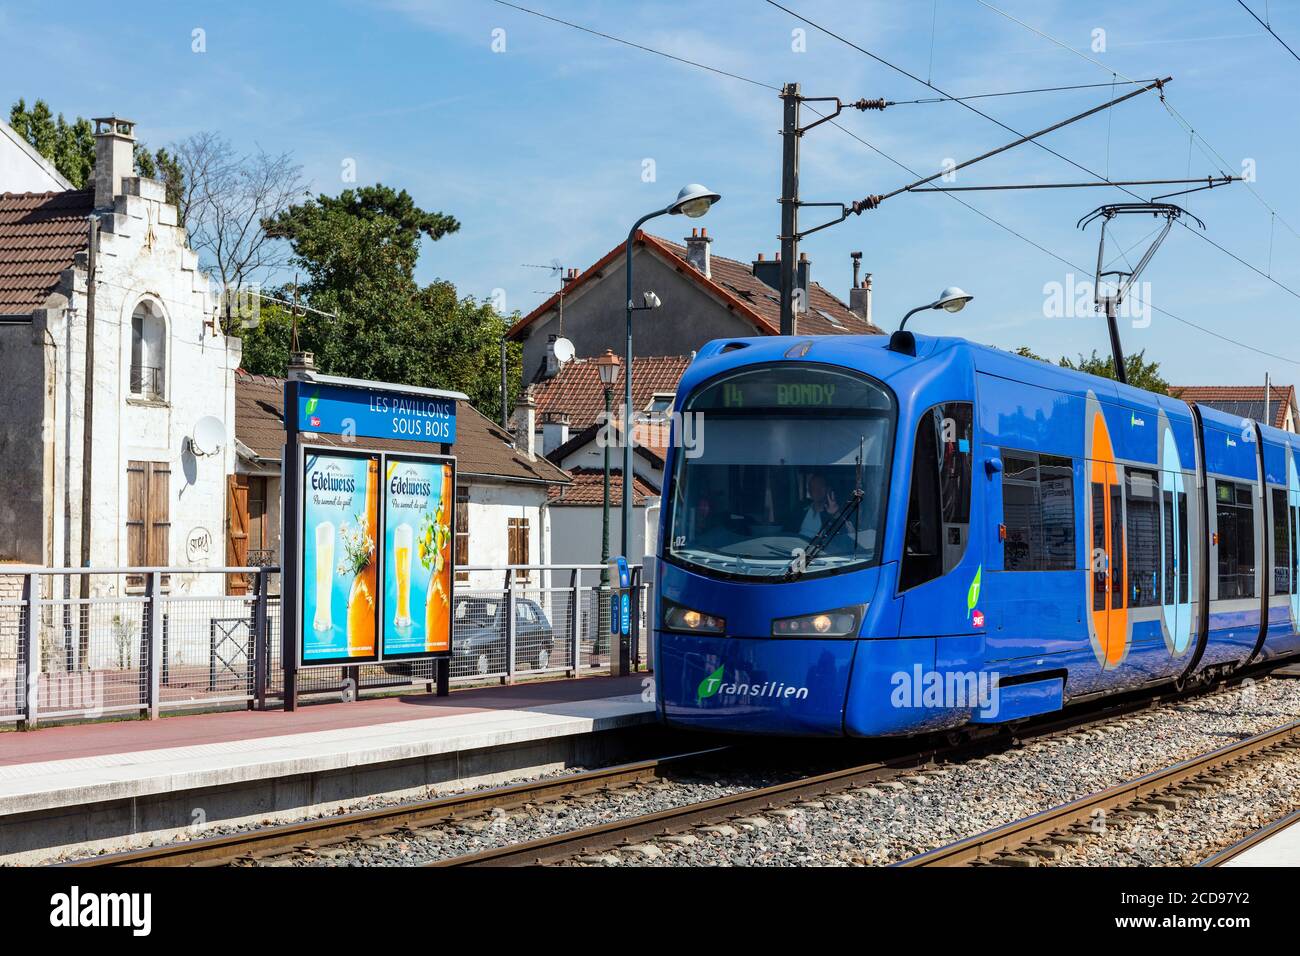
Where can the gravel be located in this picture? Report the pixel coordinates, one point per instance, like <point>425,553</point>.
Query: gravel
<point>887,822</point>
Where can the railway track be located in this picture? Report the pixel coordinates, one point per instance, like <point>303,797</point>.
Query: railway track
<point>283,842</point>
<point>1045,836</point>
<point>1254,839</point>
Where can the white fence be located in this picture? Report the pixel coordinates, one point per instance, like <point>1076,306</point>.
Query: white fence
<point>88,643</point>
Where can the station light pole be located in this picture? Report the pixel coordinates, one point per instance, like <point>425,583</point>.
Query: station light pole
<point>608,367</point>
<point>692,201</point>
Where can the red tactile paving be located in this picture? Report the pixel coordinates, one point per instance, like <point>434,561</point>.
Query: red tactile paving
<point>188,730</point>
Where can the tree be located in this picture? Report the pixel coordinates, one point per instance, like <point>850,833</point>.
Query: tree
<point>358,251</point>
<point>71,147</point>
<point>223,200</point>
<point>1140,372</point>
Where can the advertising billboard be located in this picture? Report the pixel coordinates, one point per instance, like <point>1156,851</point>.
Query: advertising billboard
<point>340,571</point>
<point>419,511</point>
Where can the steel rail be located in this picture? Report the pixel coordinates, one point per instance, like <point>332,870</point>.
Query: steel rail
<point>1002,841</point>
<point>1253,839</point>
<point>215,851</point>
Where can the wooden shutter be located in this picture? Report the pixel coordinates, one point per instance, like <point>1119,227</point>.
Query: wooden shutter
<point>159,513</point>
<point>137,497</point>
<point>237,531</point>
<point>462,533</point>
<point>518,540</point>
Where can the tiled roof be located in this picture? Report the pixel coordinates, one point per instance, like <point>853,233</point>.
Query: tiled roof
<point>576,389</point>
<point>481,448</point>
<point>588,488</point>
<point>1244,400</point>
<point>735,285</point>
<point>40,234</point>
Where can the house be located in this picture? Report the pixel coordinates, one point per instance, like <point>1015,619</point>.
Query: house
<point>502,492</point>
<point>704,297</point>
<point>101,284</point>
<point>1246,401</point>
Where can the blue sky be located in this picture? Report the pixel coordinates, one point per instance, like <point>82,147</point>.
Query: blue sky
<point>539,149</point>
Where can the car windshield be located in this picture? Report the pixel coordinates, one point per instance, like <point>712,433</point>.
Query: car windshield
<point>787,474</point>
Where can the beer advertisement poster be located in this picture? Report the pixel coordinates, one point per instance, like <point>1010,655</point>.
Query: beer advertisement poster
<point>419,504</point>
<point>340,566</point>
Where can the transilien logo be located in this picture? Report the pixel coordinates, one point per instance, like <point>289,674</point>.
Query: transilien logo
<point>710,685</point>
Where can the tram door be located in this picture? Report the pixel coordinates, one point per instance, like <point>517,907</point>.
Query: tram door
<point>1108,594</point>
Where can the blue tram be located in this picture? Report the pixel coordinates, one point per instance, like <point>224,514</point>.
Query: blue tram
<point>865,542</point>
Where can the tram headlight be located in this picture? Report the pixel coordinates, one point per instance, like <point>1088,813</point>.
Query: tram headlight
<point>842,622</point>
<point>675,617</point>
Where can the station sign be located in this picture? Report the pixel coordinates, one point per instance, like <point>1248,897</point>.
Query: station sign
<point>372,413</point>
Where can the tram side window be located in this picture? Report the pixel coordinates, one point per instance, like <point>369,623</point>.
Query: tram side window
<point>1281,543</point>
<point>1141,489</point>
<point>1236,521</point>
<point>938,510</point>
<point>1038,512</point>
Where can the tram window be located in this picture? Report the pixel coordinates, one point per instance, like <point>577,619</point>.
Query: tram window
<point>1170,546</point>
<point>938,510</point>
<point>1236,522</point>
<point>1099,566</point>
<point>1281,544</point>
<point>1038,512</point>
<point>1184,562</point>
<point>1141,490</point>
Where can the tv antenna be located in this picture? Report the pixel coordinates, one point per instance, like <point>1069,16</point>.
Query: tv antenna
<point>1110,303</point>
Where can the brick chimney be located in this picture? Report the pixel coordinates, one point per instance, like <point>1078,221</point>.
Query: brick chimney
<point>302,365</point>
<point>114,157</point>
<point>697,251</point>
<point>803,276</point>
<point>860,296</point>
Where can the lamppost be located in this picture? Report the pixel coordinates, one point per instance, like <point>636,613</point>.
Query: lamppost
<point>608,367</point>
<point>693,201</point>
<point>952,299</point>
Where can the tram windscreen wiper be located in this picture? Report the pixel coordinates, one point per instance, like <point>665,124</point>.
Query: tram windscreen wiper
<point>828,531</point>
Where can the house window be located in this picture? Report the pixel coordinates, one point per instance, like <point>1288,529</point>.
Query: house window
<point>147,516</point>
<point>660,405</point>
<point>462,533</point>
<point>1038,512</point>
<point>148,352</point>
<point>517,529</point>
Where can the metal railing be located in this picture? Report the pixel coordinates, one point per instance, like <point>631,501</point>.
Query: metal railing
<point>84,643</point>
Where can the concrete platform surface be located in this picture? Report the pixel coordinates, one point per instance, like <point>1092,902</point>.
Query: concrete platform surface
<point>1280,849</point>
<point>69,766</point>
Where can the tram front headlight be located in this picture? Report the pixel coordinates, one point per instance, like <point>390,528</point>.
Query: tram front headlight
<point>675,617</point>
<point>842,622</point>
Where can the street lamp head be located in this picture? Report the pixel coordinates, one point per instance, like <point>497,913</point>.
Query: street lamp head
<point>694,201</point>
<point>608,366</point>
<point>952,299</point>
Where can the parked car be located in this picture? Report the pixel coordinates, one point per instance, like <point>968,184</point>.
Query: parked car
<point>479,634</point>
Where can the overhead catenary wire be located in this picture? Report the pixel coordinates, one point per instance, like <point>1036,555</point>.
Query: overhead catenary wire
<point>1265,25</point>
<point>876,149</point>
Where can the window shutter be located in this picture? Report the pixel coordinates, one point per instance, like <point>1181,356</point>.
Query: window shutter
<point>237,531</point>
<point>137,552</point>
<point>159,520</point>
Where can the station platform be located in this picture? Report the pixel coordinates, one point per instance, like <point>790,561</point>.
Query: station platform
<point>1280,847</point>
<point>93,785</point>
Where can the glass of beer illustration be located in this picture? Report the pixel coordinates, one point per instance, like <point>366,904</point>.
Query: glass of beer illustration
<point>402,540</point>
<point>324,620</point>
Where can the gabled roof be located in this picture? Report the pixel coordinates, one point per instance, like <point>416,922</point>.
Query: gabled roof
<point>1246,401</point>
<point>576,390</point>
<point>40,236</point>
<point>733,284</point>
<point>482,448</point>
<point>588,489</point>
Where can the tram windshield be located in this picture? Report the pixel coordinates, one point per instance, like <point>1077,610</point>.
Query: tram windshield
<point>787,475</point>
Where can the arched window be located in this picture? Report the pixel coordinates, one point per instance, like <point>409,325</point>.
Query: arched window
<point>148,351</point>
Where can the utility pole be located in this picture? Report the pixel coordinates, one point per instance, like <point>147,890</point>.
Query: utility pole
<point>790,133</point>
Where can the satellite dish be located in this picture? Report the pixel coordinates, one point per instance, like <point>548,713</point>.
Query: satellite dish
<point>209,436</point>
<point>563,349</point>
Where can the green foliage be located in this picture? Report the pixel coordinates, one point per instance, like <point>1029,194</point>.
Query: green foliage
<point>359,251</point>
<point>1140,372</point>
<point>71,147</point>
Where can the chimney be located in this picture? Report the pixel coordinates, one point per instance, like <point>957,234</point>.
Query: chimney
<point>860,295</point>
<point>857,266</point>
<point>802,278</point>
<point>114,157</point>
<point>697,251</point>
<point>302,366</point>
<point>555,431</point>
<point>768,271</point>
<point>525,425</point>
